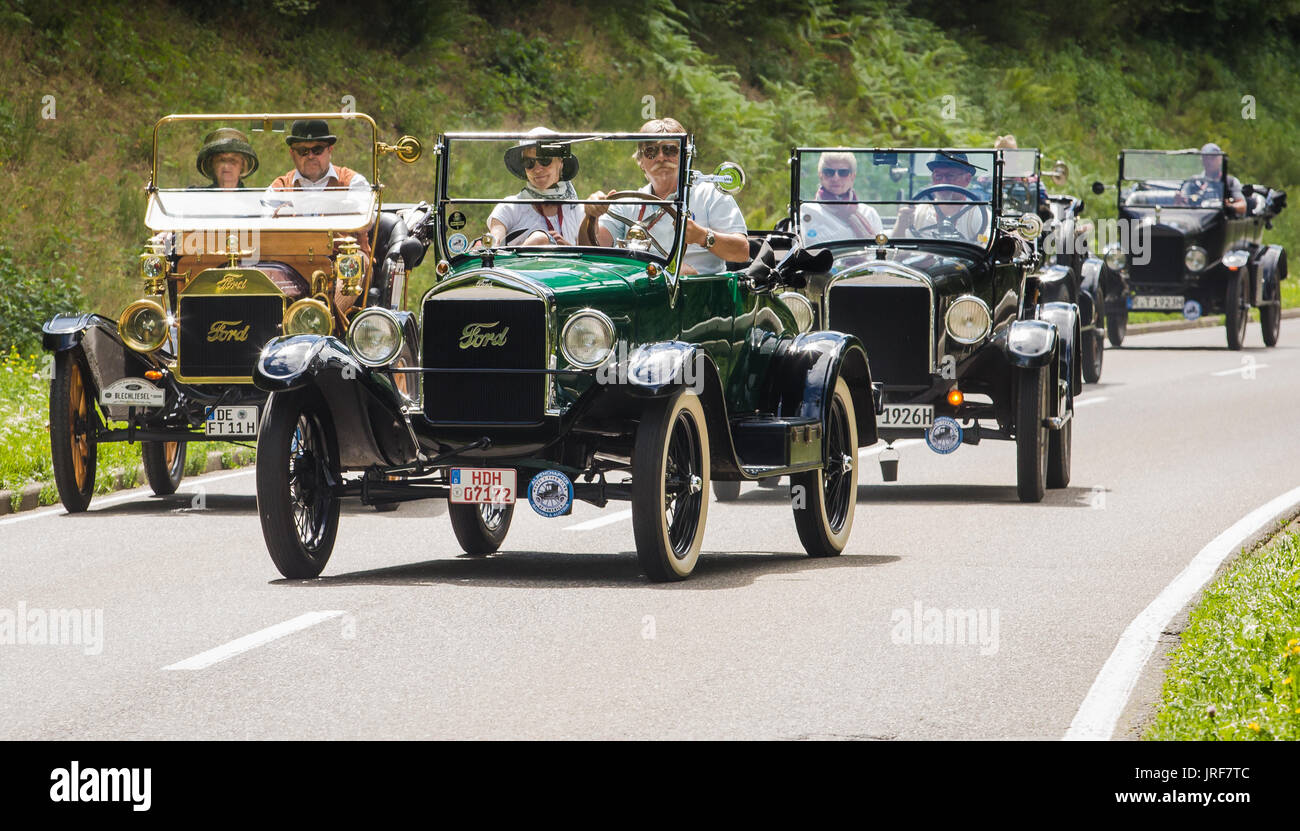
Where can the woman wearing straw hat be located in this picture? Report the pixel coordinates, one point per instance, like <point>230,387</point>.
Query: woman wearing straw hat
<point>226,158</point>
<point>547,169</point>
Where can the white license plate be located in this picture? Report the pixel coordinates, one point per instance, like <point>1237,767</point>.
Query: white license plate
<point>231,421</point>
<point>907,415</point>
<point>1159,302</point>
<point>470,485</point>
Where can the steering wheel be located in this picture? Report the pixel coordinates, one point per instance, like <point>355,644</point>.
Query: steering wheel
<point>948,224</point>
<point>587,231</point>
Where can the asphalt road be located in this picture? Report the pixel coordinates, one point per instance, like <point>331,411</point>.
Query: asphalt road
<point>559,636</point>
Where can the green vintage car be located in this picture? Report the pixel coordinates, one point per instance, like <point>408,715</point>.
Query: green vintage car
<point>564,371</point>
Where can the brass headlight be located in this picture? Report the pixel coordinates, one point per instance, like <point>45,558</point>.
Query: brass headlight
<point>308,316</point>
<point>349,268</point>
<point>143,325</point>
<point>153,270</point>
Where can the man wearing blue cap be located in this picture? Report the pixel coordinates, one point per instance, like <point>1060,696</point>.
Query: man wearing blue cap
<point>1201,190</point>
<point>956,171</point>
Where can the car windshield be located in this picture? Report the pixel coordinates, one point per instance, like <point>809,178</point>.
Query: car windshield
<point>240,172</point>
<point>1020,178</point>
<point>904,194</point>
<point>1171,178</point>
<point>529,191</point>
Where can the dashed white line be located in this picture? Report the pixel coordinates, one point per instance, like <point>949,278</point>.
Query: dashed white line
<point>601,521</point>
<point>1084,402</point>
<point>1110,692</point>
<point>256,639</point>
<point>137,493</point>
<point>1247,366</point>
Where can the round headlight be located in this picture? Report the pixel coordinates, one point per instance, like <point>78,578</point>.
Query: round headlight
<point>1195,258</point>
<point>143,326</point>
<point>308,317</point>
<point>1115,258</point>
<point>375,337</point>
<point>587,339</point>
<point>968,320</point>
<point>800,308</point>
<point>349,265</point>
<point>153,266</point>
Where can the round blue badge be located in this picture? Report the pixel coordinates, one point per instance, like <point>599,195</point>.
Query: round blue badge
<point>457,243</point>
<point>1192,310</point>
<point>944,436</point>
<point>550,493</point>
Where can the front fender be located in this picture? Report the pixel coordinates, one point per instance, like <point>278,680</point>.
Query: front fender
<point>1054,283</point>
<point>659,369</point>
<point>807,368</point>
<point>1065,316</point>
<point>1091,302</point>
<point>63,332</point>
<point>1027,344</point>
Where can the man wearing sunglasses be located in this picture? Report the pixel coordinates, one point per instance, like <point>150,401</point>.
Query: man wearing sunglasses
<point>311,145</point>
<point>715,228</point>
<point>837,214</point>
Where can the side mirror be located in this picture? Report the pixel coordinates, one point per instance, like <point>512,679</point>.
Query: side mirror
<point>1060,173</point>
<point>1028,227</point>
<point>731,177</point>
<point>1098,188</point>
<point>407,149</point>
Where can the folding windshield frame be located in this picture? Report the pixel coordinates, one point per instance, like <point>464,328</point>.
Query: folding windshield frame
<point>672,262</point>
<point>1120,179</point>
<point>1036,176</point>
<point>994,203</point>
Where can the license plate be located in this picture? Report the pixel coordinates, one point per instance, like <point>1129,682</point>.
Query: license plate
<point>471,485</point>
<point>907,415</point>
<point>231,421</point>
<point>1159,302</point>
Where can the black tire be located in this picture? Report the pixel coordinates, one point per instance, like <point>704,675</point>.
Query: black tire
<point>1093,354</point>
<point>1117,326</point>
<point>480,529</point>
<point>164,465</point>
<point>1235,314</point>
<point>295,463</point>
<point>1031,435</point>
<point>73,421</point>
<point>670,480</point>
<point>386,507</point>
<point>1059,445</point>
<point>1270,317</point>
<point>726,491</point>
<point>830,494</point>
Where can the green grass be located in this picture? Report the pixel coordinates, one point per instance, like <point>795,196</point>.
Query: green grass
<point>1236,673</point>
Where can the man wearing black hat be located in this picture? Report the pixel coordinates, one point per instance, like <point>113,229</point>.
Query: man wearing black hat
<point>956,171</point>
<point>1204,190</point>
<point>312,145</point>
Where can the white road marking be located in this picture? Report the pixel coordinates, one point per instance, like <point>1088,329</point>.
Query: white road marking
<point>1247,366</point>
<point>601,521</point>
<point>97,502</point>
<point>1086,401</point>
<point>240,645</point>
<point>1110,691</point>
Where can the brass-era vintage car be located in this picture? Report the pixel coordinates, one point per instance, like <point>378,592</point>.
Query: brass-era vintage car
<point>238,255</point>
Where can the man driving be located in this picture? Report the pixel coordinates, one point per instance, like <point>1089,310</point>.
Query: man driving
<point>1204,190</point>
<point>950,177</point>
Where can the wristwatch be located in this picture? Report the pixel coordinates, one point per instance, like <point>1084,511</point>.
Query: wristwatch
<point>709,238</point>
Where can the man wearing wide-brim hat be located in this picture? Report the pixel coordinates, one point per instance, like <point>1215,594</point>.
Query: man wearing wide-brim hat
<point>952,171</point>
<point>226,157</point>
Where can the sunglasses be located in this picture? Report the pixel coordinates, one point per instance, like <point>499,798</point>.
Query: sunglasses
<point>529,162</point>
<point>651,151</point>
<point>837,171</point>
<point>314,150</point>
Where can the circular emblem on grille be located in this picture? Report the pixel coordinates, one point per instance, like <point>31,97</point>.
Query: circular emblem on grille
<point>944,436</point>
<point>1192,310</point>
<point>550,493</point>
<point>457,243</point>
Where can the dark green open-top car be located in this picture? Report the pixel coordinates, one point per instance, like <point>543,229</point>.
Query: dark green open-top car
<point>558,372</point>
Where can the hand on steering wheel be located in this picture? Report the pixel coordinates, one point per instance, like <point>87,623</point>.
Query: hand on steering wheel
<point>943,223</point>
<point>587,230</point>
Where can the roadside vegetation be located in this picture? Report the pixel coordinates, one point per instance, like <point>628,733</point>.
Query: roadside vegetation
<point>1236,673</point>
<point>82,85</point>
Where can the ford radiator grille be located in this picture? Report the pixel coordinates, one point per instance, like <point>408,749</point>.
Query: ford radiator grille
<point>221,337</point>
<point>893,323</point>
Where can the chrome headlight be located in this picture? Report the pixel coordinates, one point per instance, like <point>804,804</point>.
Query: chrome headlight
<point>308,317</point>
<point>1195,258</point>
<point>800,308</point>
<point>1115,257</point>
<point>375,337</point>
<point>1236,258</point>
<point>968,320</point>
<point>143,325</point>
<point>587,339</point>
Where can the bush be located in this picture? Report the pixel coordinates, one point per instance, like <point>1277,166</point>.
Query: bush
<point>31,297</point>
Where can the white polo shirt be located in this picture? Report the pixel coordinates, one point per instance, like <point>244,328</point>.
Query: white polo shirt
<point>523,216</point>
<point>712,208</point>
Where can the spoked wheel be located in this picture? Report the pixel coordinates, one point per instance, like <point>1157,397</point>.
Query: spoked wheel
<point>1117,326</point>
<point>1236,314</point>
<point>73,421</point>
<point>670,481</point>
<point>480,529</point>
<point>726,491</point>
<point>1031,435</point>
<point>1059,441</point>
<point>164,465</point>
<point>1094,353</point>
<point>824,516</point>
<point>296,474</point>
<point>1270,317</point>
